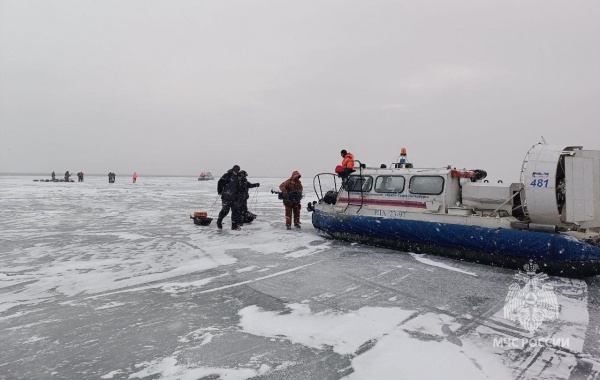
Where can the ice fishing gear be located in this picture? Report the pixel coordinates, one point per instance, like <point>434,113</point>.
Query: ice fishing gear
<point>201,218</point>
<point>292,196</point>
<point>254,200</point>
<point>247,215</point>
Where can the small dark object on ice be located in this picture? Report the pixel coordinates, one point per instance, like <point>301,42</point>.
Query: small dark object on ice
<point>200,219</point>
<point>248,217</point>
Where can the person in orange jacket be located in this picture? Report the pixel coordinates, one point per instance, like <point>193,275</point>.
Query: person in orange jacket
<point>291,192</point>
<point>347,165</point>
<point>134,177</point>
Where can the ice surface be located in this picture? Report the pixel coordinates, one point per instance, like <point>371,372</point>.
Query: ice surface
<point>116,282</point>
<point>423,259</point>
<point>344,332</point>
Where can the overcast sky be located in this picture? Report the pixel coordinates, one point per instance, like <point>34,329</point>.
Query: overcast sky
<point>177,87</point>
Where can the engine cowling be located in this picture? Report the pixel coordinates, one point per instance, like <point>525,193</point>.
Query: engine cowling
<point>561,185</point>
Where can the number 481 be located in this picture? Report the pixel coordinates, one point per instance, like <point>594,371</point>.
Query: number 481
<point>539,183</point>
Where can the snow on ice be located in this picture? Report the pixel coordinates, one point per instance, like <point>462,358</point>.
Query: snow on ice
<point>114,281</point>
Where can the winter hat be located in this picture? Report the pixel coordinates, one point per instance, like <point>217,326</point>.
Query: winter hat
<point>343,151</point>
<point>236,168</point>
<point>243,173</point>
<point>296,174</point>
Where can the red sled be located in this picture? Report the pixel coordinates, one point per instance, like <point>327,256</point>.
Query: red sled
<point>200,218</point>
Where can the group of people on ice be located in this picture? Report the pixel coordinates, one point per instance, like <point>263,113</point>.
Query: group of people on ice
<point>233,188</point>
<point>111,177</point>
<point>67,177</point>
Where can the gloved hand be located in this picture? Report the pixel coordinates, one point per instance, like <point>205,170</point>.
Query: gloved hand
<point>258,185</point>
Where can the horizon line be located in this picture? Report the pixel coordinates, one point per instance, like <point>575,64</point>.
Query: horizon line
<point>104,175</point>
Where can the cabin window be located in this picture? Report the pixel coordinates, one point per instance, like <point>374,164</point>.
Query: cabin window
<point>429,185</point>
<point>389,184</point>
<point>356,183</point>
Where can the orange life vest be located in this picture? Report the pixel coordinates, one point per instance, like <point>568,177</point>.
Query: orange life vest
<point>348,161</point>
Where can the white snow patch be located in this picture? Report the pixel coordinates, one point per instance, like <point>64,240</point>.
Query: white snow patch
<point>34,339</point>
<point>111,374</point>
<point>427,261</point>
<point>398,356</point>
<point>169,369</point>
<point>110,305</point>
<point>344,332</point>
<point>394,355</point>
<point>247,269</point>
<point>431,323</point>
<point>307,251</point>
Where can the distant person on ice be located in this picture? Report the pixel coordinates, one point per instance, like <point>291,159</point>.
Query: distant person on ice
<point>67,175</point>
<point>80,177</point>
<point>243,196</point>
<point>134,177</point>
<point>53,176</point>
<point>228,188</point>
<point>291,190</point>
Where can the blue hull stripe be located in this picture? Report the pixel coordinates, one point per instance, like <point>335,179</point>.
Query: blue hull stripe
<point>514,243</point>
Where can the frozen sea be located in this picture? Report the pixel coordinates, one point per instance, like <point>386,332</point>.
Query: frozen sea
<point>114,281</point>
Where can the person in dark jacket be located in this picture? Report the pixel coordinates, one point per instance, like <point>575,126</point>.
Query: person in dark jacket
<point>53,176</point>
<point>67,175</point>
<point>243,196</point>
<point>228,188</point>
<point>291,190</point>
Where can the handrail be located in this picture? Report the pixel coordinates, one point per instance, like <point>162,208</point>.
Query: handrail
<point>319,193</point>
<point>362,197</point>
<point>318,178</point>
<point>503,203</point>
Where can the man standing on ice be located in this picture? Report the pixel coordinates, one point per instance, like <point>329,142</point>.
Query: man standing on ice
<point>228,188</point>
<point>291,190</point>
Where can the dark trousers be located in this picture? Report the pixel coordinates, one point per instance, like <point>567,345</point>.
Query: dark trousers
<point>292,208</point>
<point>236,219</point>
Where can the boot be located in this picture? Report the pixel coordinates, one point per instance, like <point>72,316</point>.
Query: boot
<point>220,223</point>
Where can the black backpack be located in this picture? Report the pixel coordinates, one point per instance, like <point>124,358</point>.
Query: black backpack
<point>330,197</point>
